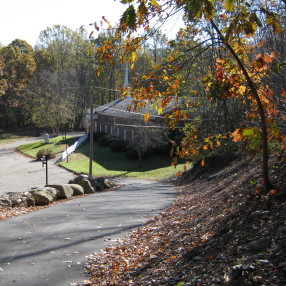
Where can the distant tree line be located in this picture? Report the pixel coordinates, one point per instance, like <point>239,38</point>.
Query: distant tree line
<point>49,86</point>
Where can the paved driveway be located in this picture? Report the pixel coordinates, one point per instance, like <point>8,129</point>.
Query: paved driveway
<point>49,247</point>
<point>19,173</point>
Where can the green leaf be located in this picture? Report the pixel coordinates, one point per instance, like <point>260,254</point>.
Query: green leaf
<point>229,5</point>
<point>154,3</point>
<point>129,17</point>
<point>126,1</point>
<point>209,9</point>
<point>249,132</point>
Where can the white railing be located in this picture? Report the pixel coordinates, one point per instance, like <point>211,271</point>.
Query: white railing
<point>72,148</point>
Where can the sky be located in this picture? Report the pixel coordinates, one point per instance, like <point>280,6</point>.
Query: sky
<point>25,19</point>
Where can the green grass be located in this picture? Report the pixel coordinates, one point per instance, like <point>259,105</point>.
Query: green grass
<point>57,145</point>
<point>108,164</point>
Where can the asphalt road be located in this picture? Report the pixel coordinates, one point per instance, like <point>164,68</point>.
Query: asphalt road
<point>50,247</point>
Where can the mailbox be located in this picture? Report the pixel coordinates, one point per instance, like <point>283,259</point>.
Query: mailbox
<point>46,138</point>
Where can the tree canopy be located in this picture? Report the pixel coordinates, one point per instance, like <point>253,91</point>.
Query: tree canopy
<point>235,74</point>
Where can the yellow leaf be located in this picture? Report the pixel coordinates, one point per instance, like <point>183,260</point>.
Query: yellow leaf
<point>147,117</point>
<point>133,57</point>
<point>203,162</point>
<point>154,3</point>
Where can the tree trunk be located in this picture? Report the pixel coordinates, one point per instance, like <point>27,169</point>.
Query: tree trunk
<point>261,112</point>
<point>140,156</point>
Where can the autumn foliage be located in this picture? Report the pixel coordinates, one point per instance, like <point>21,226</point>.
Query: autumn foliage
<point>238,72</point>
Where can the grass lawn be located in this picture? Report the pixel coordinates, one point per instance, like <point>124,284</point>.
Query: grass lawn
<point>107,164</point>
<point>57,145</point>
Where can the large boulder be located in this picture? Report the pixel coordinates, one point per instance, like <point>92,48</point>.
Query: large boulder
<point>5,202</point>
<point>97,183</point>
<point>77,189</point>
<point>83,181</point>
<point>44,196</point>
<point>15,199</point>
<point>100,184</point>
<point>64,191</point>
<point>108,184</point>
<point>23,199</point>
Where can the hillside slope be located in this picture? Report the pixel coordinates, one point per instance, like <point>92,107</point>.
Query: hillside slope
<point>223,229</point>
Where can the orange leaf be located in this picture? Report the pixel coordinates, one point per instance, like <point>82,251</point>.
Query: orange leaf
<point>203,162</point>
<point>236,135</point>
<point>267,58</point>
<point>272,192</point>
<point>220,61</point>
<point>147,117</point>
<point>195,152</point>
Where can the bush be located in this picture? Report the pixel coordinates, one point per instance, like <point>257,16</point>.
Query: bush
<point>132,154</point>
<point>118,146</point>
<point>162,150</point>
<point>45,152</point>
<point>105,140</point>
<point>97,135</point>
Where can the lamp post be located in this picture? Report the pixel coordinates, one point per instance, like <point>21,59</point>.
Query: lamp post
<point>45,162</point>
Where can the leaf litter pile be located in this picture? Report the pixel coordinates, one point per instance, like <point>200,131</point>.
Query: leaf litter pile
<point>223,229</point>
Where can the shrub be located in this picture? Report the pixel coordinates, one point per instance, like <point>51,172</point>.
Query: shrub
<point>105,140</point>
<point>45,152</point>
<point>118,146</point>
<point>132,154</point>
<point>97,135</point>
<point>162,150</point>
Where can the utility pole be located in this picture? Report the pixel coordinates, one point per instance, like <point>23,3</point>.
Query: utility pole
<point>91,135</point>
